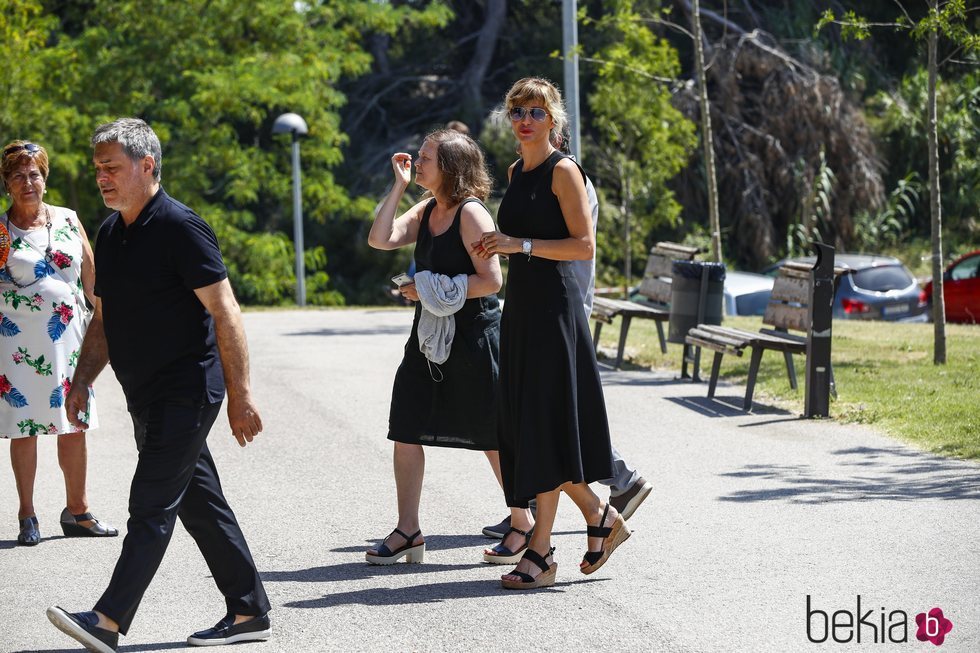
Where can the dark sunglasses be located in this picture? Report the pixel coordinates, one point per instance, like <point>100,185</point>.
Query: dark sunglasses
<point>31,148</point>
<point>537,114</point>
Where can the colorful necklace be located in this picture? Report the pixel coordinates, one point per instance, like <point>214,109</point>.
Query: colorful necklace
<point>47,251</point>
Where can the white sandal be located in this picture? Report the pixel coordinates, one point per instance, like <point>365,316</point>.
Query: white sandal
<point>386,556</point>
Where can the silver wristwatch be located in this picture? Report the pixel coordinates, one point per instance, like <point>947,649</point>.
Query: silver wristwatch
<point>526,247</point>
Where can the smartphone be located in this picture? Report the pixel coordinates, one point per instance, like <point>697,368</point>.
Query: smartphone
<point>401,279</point>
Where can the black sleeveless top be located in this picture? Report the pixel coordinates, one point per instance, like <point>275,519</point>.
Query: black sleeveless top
<point>448,412</point>
<point>552,420</point>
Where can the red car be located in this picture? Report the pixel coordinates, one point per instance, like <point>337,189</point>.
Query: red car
<point>961,289</point>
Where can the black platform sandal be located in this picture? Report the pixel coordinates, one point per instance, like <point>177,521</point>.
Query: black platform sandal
<point>612,537</point>
<point>386,556</point>
<point>30,534</point>
<point>545,579</point>
<point>502,555</point>
<point>71,527</point>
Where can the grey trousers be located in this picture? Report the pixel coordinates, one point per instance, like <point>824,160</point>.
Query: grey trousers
<point>623,476</point>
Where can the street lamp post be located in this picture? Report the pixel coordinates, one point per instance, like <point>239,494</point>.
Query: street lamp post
<point>570,47</point>
<point>291,123</point>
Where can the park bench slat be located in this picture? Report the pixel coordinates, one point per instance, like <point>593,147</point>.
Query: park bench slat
<point>787,316</point>
<point>788,308</point>
<point>655,289</point>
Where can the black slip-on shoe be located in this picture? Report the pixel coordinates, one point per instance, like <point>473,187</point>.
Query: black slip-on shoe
<point>82,627</point>
<point>498,530</point>
<point>226,632</point>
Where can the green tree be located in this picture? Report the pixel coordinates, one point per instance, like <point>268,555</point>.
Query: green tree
<point>899,118</point>
<point>641,141</point>
<point>210,76</point>
<point>947,18</point>
<point>706,133</point>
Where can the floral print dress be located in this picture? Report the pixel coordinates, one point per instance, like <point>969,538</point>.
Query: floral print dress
<point>41,327</point>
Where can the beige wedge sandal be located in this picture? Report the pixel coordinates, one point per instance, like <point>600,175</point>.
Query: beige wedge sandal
<point>545,579</point>
<point>612,537</point>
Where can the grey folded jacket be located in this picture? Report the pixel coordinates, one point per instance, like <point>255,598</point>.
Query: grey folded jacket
<point>441,296</point>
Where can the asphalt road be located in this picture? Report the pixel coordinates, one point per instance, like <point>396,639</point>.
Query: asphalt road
<point>750,515</point>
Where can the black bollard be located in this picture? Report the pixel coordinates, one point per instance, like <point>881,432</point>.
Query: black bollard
<point>818,369</point>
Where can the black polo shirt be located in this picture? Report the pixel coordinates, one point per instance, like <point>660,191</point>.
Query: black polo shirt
<point>161,340</point>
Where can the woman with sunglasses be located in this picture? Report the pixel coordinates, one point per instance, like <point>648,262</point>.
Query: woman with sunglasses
<point>47,270</point>
<point>553,432</point>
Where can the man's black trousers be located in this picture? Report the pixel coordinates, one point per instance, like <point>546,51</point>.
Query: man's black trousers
<point>176,477</point>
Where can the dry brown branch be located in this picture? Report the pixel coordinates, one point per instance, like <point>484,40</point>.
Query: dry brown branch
<point>776,115</point>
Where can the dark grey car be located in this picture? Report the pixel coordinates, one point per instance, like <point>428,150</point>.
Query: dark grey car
<point>873,287</point>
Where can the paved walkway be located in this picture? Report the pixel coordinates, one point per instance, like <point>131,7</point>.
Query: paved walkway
<point>750,515</point>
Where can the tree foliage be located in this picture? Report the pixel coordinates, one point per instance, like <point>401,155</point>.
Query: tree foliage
<point>373,76</point>
<point>210,76</point>
<point>945,18</point>
<point>898,117</point>
<point>640,141</point>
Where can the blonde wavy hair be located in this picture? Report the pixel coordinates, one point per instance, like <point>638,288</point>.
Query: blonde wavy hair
<point>537,91</point>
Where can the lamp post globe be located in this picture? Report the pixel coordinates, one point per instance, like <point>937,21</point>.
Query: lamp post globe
<point>291,123</point>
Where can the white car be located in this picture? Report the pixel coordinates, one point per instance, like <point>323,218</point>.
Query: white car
<point>747,293</point>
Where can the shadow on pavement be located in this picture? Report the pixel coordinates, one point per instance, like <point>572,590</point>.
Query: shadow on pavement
<point>623,378</point>
<point>162,646</point>
<point>444,542</point>
<point>864,474</point>
<point>347,571</point>
<point>381,330</point>
<point>432,593</point>
<point>432,543</point>
<point>727,406</point>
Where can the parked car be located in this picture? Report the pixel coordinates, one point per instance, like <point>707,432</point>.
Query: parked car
<point>873,287</point>
<point>746,293</point>
<point>961,289</point>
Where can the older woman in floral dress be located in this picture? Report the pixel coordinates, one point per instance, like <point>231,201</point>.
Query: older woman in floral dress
<point>43,281</point>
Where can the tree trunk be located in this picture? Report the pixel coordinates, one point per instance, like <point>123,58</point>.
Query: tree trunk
<point>627,203</point>
<point>938,301</point>
<point>714,224</point>
<point>495,14</point>
<point>378,45</point>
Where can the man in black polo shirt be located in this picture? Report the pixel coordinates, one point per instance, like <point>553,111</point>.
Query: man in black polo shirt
<point>167,319</point>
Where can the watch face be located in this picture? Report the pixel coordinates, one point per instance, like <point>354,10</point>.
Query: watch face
<point>526,247</point>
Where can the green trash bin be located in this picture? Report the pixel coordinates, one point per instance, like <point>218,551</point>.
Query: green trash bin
<point>688,278</point>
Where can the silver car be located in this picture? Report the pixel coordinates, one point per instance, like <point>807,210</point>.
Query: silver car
<point>746,293</point>
<point>873,287</point>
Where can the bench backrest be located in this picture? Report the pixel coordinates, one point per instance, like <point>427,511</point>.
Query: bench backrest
<point>788,307</point>
<point>655,286</point>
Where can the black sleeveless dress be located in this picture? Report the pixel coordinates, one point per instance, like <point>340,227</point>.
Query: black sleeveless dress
<point>552,424</point>
<point>459,410</point>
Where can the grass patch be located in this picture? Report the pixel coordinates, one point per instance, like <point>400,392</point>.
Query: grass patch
<point>884,372</point>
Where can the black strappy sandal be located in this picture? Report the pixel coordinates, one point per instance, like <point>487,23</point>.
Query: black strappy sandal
<point>545,579</point>
<point>386,556</point>
<point>71,527</point>
<point>612,537</point>
<point>502,555</point>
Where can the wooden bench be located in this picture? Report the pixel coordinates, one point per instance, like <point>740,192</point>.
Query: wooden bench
<point>788,309</point>
<point>655,291</point>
